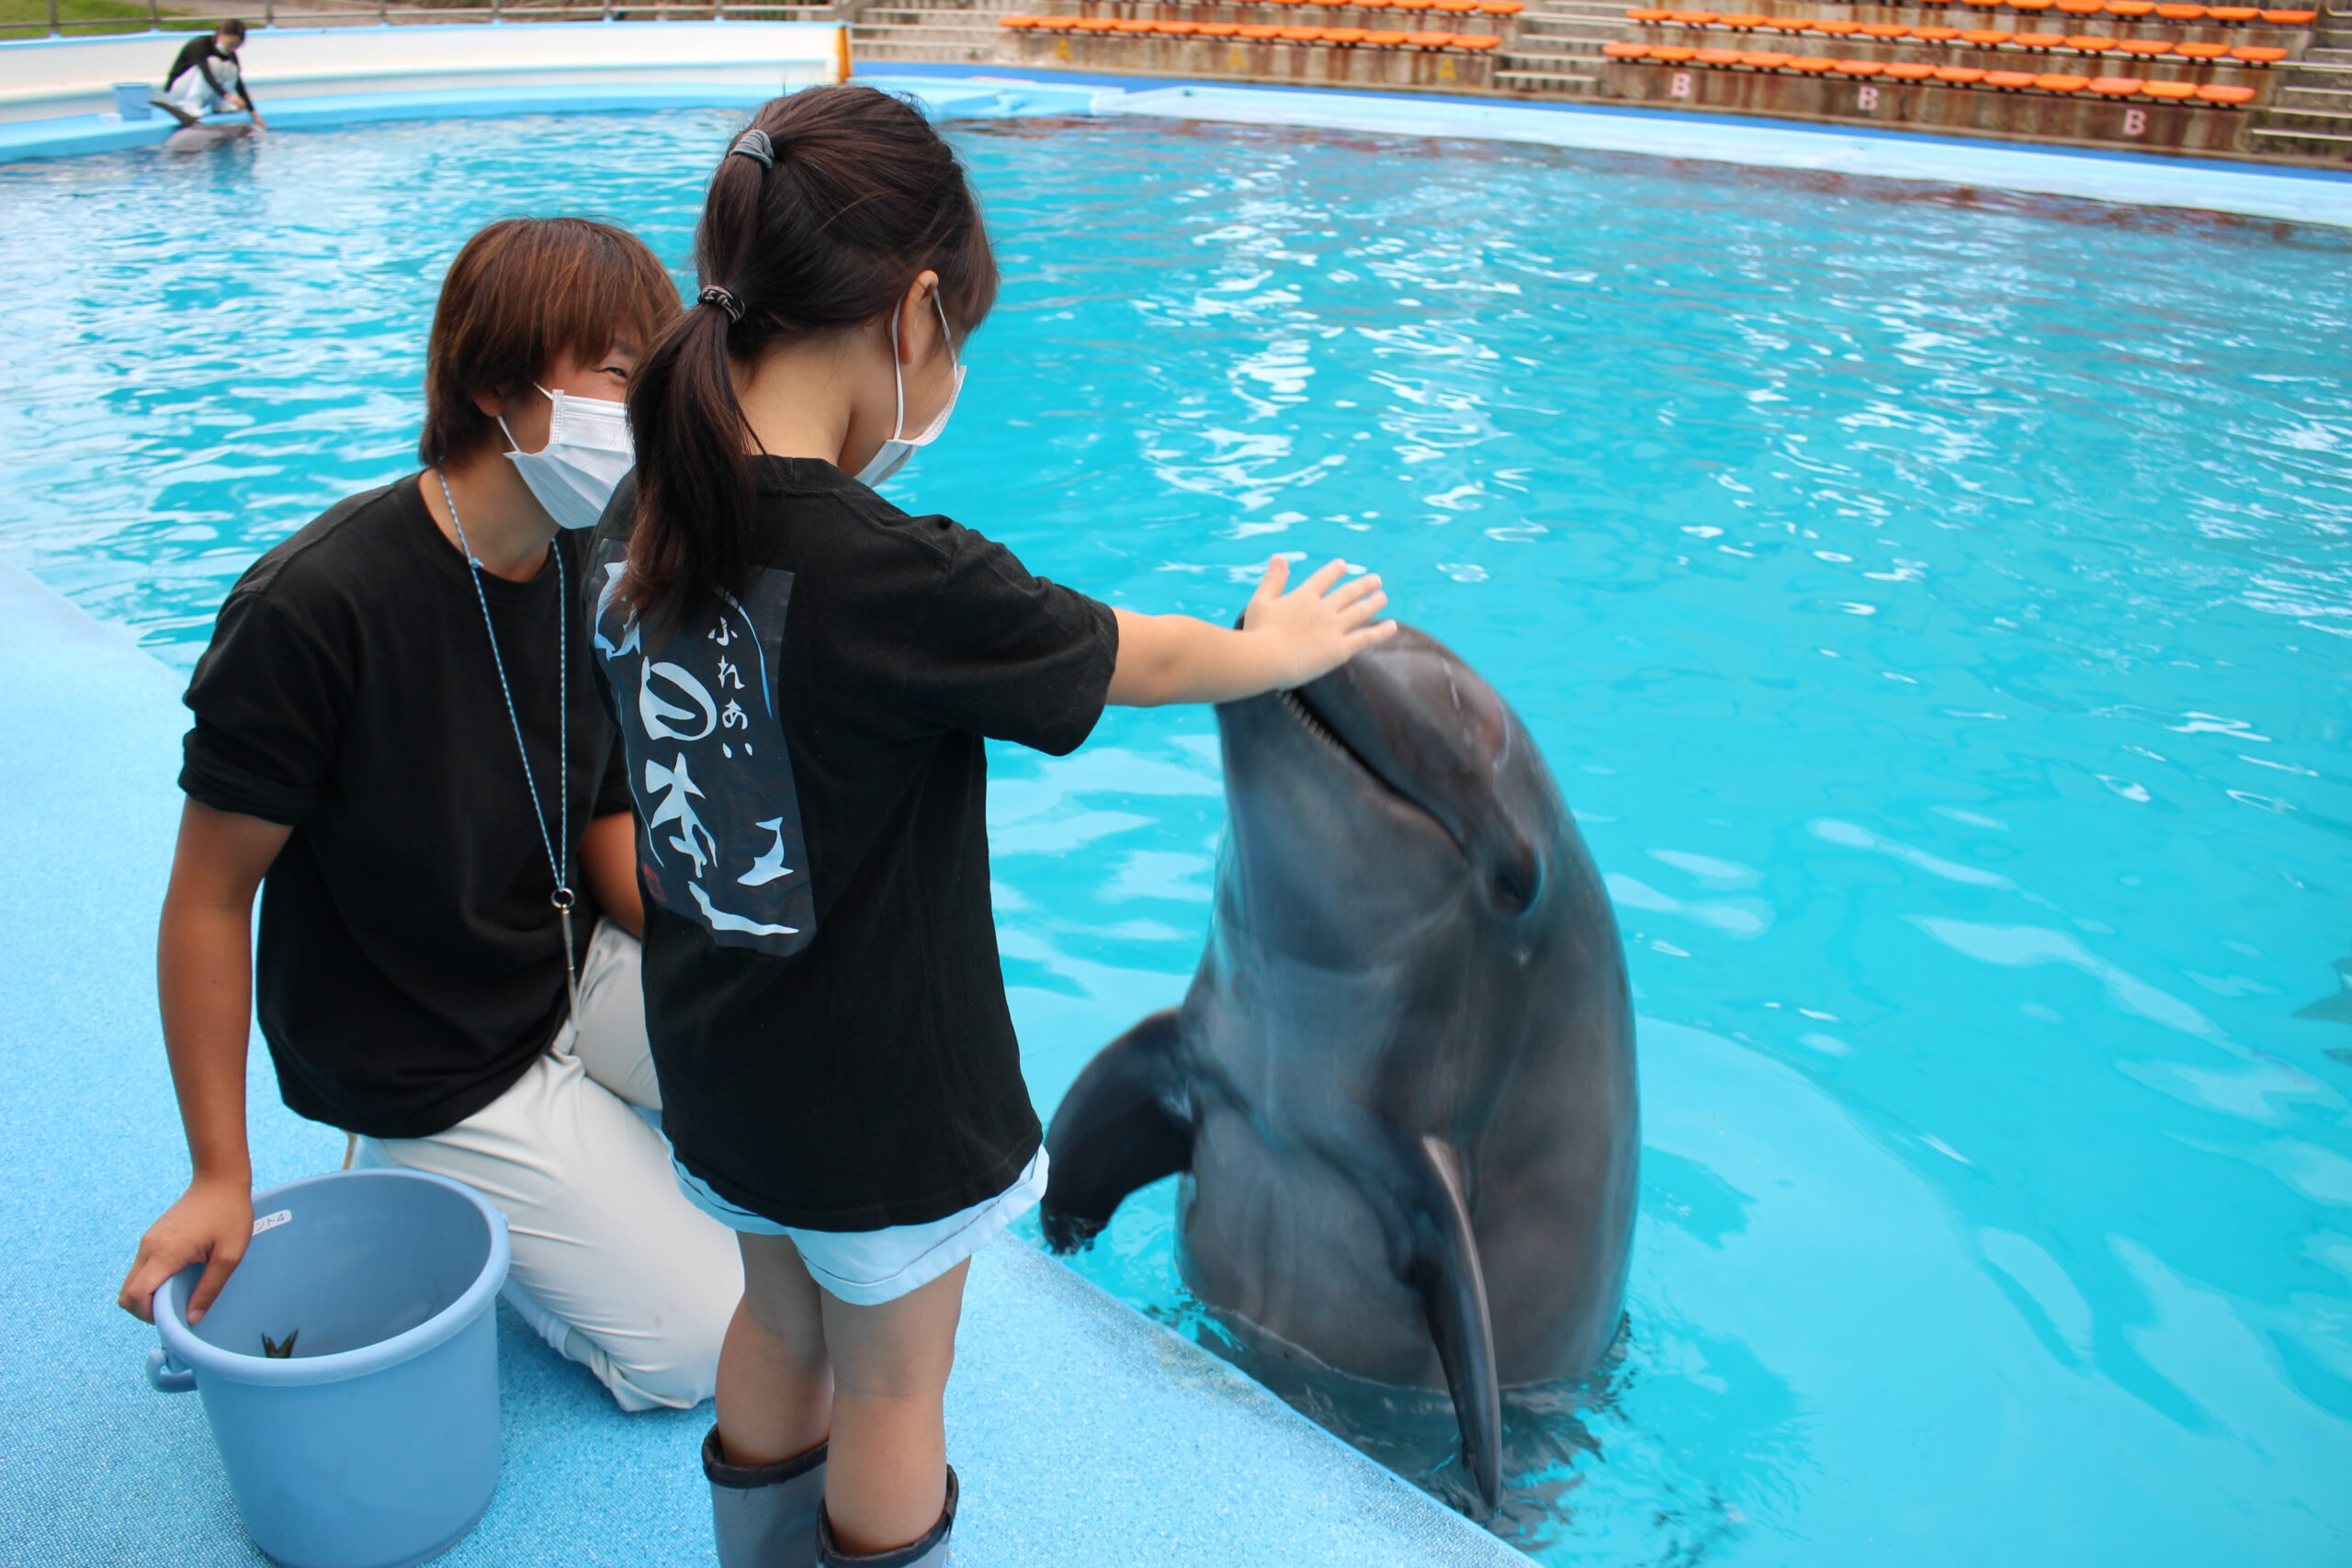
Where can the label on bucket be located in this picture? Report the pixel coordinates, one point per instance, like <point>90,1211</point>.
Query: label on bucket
<point>271,1222</point>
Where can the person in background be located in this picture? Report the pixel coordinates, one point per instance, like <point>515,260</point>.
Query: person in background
<point>804,677</point>
<point>207,79</point>
<point>398,741</point>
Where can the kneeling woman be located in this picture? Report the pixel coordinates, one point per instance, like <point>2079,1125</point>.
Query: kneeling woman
<point>398,741</point>
<point>803,676</point>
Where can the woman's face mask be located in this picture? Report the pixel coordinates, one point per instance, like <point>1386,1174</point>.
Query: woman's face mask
<point>587,453</point>
<point>894,452</point>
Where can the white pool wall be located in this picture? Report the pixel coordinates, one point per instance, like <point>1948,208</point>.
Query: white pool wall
<point>60,78</point>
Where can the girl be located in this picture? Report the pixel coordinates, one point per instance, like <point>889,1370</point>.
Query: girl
<point>803,676</point>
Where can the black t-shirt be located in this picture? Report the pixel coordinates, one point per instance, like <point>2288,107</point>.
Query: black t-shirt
<point>411,966</point>
<point>197,54</point>
<point>822,985</point>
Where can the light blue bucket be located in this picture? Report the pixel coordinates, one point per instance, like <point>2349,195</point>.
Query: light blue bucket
<point>130,100</point>
<point>376,1444</point>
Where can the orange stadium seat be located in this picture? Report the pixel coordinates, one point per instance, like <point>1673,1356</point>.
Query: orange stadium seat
<point>1690,19</point>
<point>2148,47</point>
<point>1386,40</point>
<point>1984,37</point>
<point>2039,41</point>
<point>1350,37</point>
<point>1216,29</point>
<point>1790,24</point>
<point>1625,50</point>
<point>2290,18</point>
<point>1959,76</point>
<point>2257,55</point>
<point>2169,89</point>
<point>1716,57</point>
<point>2200,50</point>
<point>1764,60</point>
<point>1097,23</point>
<point>1478,41</point>
<point>2181,13</point>
<point>1886,29</point>
<point>2008,79</point>
<point>1646,15</point>
<point>2031,4</point>
<point>1909,71</point>
<point>1257,32</point>
<point>1836,27</point>
<point>2090,43</point>
<point>1671,54</point>
<point>1502,7</point>
<point>2210,94</point>
<point>1451,7</point>
<point>1934,35</point>
<point>1813,65</point>
<point>1016,21</point>
<point>1132,25</point>
<point>1438,40</point>
<point>2232,13</point>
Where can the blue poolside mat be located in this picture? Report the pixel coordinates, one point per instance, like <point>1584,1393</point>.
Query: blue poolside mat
<point>1085,1434</point>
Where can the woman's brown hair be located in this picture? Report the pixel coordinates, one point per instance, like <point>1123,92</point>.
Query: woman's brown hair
<point>522,292</point>
<point>863,195</point>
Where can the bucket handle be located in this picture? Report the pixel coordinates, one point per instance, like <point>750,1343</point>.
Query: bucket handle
<point>167,1375</point>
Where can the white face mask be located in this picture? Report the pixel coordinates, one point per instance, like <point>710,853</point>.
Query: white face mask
<point>587,454</point>
<point>899,448</point>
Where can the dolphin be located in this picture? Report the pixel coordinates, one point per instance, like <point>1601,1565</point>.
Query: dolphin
<point>1401,1087</point>
<point>195,133</point>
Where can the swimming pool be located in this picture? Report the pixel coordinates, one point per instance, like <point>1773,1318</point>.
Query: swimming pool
<point>1935,607</point>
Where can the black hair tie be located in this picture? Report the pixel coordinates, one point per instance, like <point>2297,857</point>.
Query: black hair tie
<point>754,144</point>
<point>724,300</point>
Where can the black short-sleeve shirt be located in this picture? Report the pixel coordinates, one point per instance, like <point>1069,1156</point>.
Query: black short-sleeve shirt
<point>410,964</point>
<point>822,985</point>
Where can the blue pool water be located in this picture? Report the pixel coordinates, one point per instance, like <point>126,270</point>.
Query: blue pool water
<point>1937,607</point>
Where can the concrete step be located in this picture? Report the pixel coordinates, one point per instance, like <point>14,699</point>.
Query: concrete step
<point>944,38</point>
<point>2322,121</point>
<point>1545,83</point>
<point>2313,98</point>
<point>1529,60</point>
<point>2263,138</point>
<point>948,54</point>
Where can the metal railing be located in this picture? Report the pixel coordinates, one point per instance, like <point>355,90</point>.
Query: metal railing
<point>384,12</point>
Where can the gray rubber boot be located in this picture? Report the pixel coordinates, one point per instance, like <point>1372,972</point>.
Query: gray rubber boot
<point>765,1516</point>
<point>931,1552</point>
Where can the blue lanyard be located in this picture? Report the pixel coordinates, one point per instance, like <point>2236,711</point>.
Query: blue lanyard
<point>562,898</point>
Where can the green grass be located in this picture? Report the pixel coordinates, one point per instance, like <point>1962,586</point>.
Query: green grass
<point>29,18</point>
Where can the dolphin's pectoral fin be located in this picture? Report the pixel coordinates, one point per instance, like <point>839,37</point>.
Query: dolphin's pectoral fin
<point>1444,1268</point>
<point>1120,1127</point>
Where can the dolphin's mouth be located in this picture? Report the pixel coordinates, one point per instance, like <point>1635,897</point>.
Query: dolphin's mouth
<point>1321,729</point>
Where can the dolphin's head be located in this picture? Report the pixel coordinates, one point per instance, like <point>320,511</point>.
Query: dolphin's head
<point>1399,787</point>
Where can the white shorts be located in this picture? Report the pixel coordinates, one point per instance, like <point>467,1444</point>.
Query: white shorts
<point>868,1267</point>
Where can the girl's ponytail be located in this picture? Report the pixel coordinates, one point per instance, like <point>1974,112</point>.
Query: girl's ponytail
<point>817,218</point>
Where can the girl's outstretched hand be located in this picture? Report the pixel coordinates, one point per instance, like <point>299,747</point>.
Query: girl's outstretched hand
<point>1314,629</point>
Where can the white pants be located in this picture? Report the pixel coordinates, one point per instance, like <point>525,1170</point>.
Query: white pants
<point>612,1265</point>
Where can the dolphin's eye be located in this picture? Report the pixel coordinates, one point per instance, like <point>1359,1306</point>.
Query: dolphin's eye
<point>1517,879</point>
